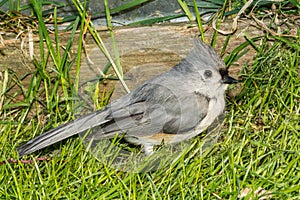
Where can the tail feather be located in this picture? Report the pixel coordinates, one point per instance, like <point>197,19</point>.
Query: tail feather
<point>62,132</point>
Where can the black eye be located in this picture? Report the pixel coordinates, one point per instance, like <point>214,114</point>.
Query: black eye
<point>207,73</point>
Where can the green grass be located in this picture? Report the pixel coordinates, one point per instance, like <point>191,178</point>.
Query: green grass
<point>259,146</point>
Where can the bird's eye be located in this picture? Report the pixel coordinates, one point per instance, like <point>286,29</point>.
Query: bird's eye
<point>207,73</point>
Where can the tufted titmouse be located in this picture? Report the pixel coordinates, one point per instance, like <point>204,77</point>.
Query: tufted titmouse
<point>172,107</point>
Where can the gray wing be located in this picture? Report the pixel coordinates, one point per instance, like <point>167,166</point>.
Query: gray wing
<point>155,108</point>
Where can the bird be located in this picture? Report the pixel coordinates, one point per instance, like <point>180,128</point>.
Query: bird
<point>172,107</point>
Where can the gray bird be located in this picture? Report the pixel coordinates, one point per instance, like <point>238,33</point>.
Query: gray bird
<point>172,107</point>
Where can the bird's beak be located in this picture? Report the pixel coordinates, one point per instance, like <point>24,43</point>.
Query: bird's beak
<point>229,80</point>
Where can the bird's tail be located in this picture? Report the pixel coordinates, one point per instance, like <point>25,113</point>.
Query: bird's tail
<point>62,132</point>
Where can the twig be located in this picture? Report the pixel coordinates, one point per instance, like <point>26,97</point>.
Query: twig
<point>24,161</point>
<point>263,26</point>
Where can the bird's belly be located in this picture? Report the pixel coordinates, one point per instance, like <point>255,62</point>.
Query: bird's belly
<point>161,138</point>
